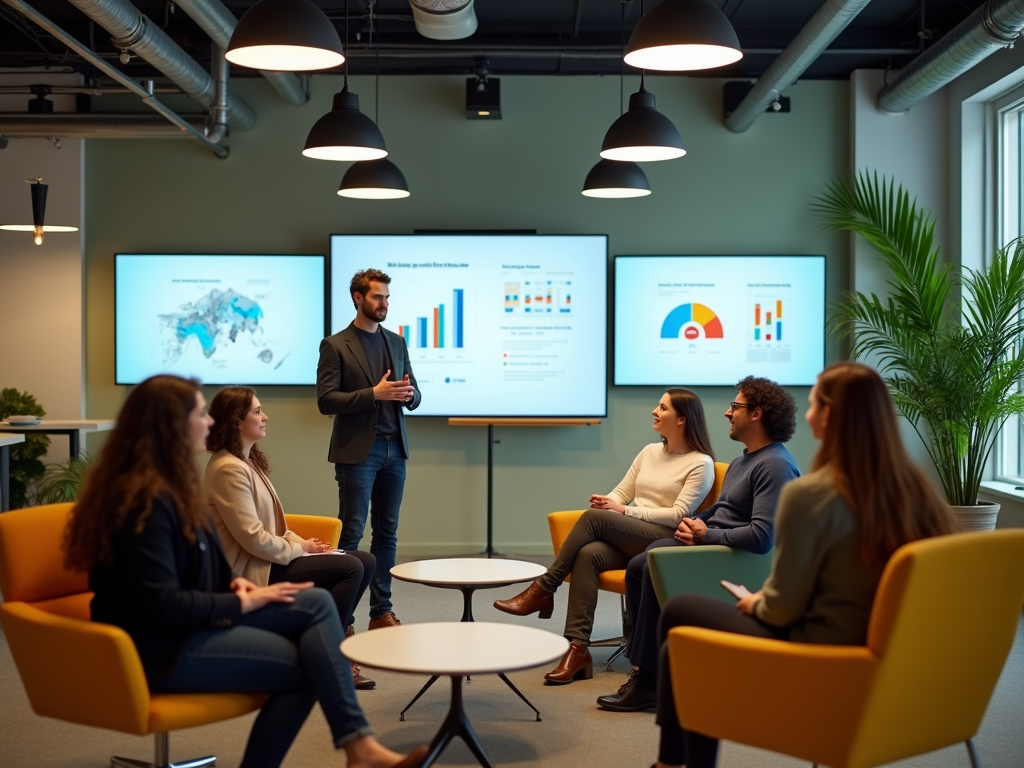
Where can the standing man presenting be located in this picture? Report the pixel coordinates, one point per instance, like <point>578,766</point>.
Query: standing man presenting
<point>364,379</point>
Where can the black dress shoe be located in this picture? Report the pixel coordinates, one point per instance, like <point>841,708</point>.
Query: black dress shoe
<point>634,695</point>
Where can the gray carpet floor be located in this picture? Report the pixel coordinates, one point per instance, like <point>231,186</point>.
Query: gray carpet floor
<point>573,732</point>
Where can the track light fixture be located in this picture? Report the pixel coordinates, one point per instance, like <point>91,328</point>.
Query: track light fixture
<point>285,35</point>
<point>37,227</point>
<point>683,35</point>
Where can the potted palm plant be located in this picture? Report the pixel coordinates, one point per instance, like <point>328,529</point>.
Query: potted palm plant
<point>954,368</point>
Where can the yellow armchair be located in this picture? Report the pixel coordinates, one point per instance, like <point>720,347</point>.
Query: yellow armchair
<point>315,527</point>
<point>942,625</point>
<point>560,523</point>
<point>78,670</point>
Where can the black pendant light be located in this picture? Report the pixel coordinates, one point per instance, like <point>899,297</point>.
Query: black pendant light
<point>681,35</point>
<point>345,133</point>
<point>285,35</point>
<point>374,179</point>
<point>38,227</point>
<point>642,134</point>
<point>616,179</point>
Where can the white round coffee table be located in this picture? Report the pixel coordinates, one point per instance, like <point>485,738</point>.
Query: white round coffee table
<point>467,574</point>
<point>455,649</point>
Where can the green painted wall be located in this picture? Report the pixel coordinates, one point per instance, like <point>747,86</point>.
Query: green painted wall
<point>732,194</point>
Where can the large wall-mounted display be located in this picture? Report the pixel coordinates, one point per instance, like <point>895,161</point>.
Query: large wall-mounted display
<point>223,319</point>
<point>711,320</point>
<point>497,325</point>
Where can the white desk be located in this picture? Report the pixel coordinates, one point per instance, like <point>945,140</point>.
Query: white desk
<point>73,428</point>
<point>6,441</point>
<point>467,575</point>
<point>455,649</point>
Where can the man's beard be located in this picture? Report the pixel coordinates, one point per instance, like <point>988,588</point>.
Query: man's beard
<point>375,315</point>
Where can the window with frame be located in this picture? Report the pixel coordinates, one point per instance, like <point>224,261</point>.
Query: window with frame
<point>1009,224</point>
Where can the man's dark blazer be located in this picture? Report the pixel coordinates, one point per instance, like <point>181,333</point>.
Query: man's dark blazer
<point>344,389</point>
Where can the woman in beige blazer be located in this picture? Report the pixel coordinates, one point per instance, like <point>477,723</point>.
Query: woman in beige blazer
<point>250,519</point>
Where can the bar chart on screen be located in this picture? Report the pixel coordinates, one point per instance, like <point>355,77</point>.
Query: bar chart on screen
<point>438,324</point>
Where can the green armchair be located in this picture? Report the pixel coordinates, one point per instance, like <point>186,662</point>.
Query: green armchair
<point>675,570</point>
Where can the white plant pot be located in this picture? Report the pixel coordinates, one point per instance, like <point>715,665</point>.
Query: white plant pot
<point>980,517</point>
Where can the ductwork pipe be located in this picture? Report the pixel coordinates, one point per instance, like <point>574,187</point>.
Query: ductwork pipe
<point>185,128</point>
<point>72,126</point>
<point>828,21</point>
<point>131,30</point>
<point>997,24</point>
<point>444,19</point>
<point>218,22</point>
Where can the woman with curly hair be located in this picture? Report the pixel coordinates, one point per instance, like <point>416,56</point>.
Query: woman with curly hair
<point>155,564</point>
<point>835,530</point>
<point>666,483</point>
<point>250,519</point>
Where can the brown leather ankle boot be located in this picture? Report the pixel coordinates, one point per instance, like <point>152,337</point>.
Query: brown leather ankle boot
<point>533,598</point>
<point>576,663</point>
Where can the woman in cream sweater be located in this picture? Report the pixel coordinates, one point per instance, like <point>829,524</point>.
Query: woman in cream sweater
<point>666,482</point>
<point>250,519</point>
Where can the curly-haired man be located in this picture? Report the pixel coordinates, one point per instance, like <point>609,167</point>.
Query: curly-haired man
<point>762,417</point>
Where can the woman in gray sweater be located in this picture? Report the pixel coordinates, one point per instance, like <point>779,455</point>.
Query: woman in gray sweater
<point>835,529</point>
<point>667,481</point>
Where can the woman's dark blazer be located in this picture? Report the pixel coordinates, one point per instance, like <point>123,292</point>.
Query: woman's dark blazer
<point>161,589</point>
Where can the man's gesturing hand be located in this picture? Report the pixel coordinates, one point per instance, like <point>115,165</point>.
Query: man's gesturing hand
<point>690,531</point>
<point>392,390</point>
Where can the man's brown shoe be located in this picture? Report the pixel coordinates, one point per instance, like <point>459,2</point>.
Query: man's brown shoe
<point>533,598</point>
<point>576,663</point>
<point>387,620</point>
<point>362,683</point>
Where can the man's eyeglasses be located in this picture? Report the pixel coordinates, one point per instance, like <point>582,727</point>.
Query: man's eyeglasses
<point>734,405</point>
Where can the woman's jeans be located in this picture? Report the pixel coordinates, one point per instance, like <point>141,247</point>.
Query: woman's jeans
<point>601,540</point>
<point>344,576</point>
<point>289,650</point>
<point>679,746</point>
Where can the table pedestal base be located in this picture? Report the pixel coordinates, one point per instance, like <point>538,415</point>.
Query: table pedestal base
<point>456,724</point>
<point>434,678</point>
<point>467,615</point>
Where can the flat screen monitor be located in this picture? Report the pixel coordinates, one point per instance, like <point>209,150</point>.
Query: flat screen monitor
<point>712,320</point>
<point>496,325</point>
<point>252,320</point>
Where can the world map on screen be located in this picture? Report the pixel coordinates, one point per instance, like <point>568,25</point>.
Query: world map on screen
<point>216,319</point>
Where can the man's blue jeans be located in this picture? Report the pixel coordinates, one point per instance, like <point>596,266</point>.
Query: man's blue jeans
<point>374,486</point>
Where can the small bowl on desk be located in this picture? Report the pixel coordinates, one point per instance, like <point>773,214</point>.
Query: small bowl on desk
<point>22,421</point>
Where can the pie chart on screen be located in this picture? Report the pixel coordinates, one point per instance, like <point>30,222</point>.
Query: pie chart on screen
<point>692,321</point>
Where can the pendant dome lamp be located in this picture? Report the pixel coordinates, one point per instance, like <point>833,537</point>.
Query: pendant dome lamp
<point>37,227</point>
<point>285,35</point>
<point>345,133</point>
<point>682,35</point>
<point>642,134</point>
<point>374,179</point>
<point>616,179</point>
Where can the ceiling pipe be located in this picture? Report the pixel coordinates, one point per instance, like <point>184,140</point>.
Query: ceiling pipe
<point>995,25</point>
<point>115,74</point>
<point>218,22</point>
<point>132,31</point>
<point>219,110</point>
<point>828,21</point>
<point>95,126</point>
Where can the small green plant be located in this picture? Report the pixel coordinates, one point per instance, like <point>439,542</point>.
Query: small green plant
<point>26,466</point>
<point>61,482</point>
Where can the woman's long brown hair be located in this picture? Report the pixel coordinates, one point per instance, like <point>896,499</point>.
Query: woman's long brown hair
<point>893,500</point>
<point>229,408</point>
<point>148,454</point>
<point>695,430</point>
